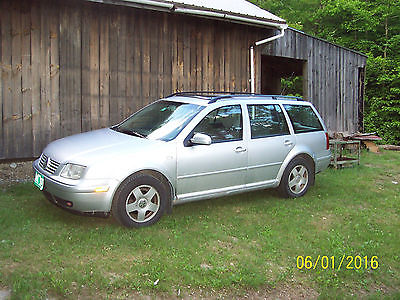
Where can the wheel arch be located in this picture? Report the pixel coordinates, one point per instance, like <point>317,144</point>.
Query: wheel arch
<point>162,178</point>
<point>303,155</point>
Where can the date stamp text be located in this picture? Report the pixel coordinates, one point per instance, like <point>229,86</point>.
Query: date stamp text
<point>347,262</point>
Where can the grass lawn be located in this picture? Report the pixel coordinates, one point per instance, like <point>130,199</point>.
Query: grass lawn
<point>228,246</point>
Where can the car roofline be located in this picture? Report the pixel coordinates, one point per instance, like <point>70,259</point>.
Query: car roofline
<point>212,96</point>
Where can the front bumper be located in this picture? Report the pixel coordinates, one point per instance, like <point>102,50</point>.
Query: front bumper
<point>82,195</point>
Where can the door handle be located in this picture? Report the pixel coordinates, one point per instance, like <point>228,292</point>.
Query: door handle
<point>288,143</point>
<point>240,149</point>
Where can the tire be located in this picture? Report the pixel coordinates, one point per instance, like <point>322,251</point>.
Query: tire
<point>139,201</point>
<point>296,178</point>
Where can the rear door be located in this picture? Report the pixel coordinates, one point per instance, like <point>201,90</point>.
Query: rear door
<point>269,143</point>
<point>310,132</point>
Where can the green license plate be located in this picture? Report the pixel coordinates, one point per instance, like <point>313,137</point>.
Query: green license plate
<point>39,181</point>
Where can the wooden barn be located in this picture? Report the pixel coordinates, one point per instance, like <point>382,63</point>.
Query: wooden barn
<point>77,65</point>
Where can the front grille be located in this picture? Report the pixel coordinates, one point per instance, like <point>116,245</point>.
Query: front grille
<point>46,163</point>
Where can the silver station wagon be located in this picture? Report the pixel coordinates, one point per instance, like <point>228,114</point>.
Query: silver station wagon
<point>186,147</point>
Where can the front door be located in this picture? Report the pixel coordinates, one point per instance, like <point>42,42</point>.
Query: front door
<point>216,168</point>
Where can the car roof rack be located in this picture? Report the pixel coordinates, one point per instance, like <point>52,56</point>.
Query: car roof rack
<point>210,94</point>
<point>273,97</point>
<point>213,96</point>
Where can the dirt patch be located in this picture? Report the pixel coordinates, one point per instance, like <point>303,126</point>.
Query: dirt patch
<point>15,172</point>
<point>286,291</point>
<point>374,289</point>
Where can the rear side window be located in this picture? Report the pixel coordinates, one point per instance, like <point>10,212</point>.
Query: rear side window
<point>267,120</point>
<point>303,118</point>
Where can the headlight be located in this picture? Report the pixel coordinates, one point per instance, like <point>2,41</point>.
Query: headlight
<point>72,171</point>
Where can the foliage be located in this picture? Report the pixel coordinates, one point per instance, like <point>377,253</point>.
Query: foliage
<point>368,26</point>
<point>383,98</point>
<point>292,86</point>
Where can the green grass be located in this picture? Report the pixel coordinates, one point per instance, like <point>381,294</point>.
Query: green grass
<point>240,243</point>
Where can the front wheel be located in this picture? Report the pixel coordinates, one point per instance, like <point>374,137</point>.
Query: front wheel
<point>139,201</point>
<point>296,178</point>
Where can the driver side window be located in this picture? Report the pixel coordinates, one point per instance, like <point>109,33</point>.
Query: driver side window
<point>223,124</point>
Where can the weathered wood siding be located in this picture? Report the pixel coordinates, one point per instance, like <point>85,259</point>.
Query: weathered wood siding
<point>72,66</point>
<point>332,76</point>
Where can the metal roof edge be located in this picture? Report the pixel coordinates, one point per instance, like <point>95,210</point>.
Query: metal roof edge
<point>326,41</point>
<point>196,11</point>
<point>144,4</point>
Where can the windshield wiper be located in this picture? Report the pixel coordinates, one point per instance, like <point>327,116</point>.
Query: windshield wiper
<point>130,132</point>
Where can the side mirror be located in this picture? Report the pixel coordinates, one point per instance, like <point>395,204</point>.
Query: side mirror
<point>201,139</point>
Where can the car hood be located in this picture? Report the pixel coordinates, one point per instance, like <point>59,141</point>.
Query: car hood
<point>98,145</point>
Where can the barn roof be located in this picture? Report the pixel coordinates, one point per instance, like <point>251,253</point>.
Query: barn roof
<point>239,11</point>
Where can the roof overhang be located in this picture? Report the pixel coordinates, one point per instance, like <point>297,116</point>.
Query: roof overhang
<point>237,11</point>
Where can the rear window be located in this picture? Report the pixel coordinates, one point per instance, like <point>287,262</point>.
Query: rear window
<point>303,118</point>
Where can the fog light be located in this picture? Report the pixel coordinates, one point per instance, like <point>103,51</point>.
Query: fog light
<point>101,189</point>
<point>69,203</point>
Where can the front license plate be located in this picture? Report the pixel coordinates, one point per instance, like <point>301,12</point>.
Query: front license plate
<point>39,181</point>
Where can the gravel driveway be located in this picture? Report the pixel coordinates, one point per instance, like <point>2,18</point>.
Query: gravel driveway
<point>15,172</point>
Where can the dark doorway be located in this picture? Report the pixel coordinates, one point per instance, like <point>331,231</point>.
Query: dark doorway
<point>283,76</point>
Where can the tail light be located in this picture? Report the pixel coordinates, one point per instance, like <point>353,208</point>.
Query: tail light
<point>327,140</point>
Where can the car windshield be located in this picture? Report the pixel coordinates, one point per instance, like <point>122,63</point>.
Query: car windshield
<point>161,120</point>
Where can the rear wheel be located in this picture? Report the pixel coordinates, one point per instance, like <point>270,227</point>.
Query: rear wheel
<point>139,201</point>
<point>296,179</point>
